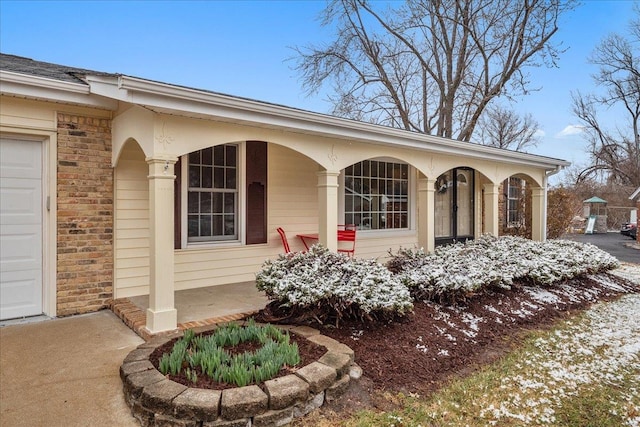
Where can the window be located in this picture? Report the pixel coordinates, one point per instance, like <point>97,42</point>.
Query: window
<point>221,195</point>
<point>377,195</point>
<point>212,197</point>
<point>515,202</point>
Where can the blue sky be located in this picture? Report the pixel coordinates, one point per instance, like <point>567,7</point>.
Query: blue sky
<point>241,47</point>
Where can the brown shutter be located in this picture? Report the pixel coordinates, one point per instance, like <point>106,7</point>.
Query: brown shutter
<point>256,175</point>
<point>177,197</point>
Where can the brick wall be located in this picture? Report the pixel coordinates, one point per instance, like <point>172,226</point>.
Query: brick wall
<point>85,215</point>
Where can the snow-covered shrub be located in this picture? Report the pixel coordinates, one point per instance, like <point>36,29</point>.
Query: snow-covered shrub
<point>328,287</point>
<point>455,271</point>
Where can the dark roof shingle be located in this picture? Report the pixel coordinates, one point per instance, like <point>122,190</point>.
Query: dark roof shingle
<point>22,65</point>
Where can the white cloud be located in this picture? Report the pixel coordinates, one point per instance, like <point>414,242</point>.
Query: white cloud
<point>570,130</point>
<point>539,133</point>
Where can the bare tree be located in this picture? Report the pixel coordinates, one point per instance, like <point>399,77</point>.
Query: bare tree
<point>615,153</point>
<point>504,128</point>
<point>430,66</point>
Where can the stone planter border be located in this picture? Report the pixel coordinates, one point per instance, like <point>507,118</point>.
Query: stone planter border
<point>157,401</point>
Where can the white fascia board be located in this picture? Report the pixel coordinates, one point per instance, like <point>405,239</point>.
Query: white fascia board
<point>42,88</point>
<point>224,107</point>
<point>635,194</point>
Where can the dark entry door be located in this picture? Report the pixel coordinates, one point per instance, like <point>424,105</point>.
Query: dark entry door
<point>455,208</point>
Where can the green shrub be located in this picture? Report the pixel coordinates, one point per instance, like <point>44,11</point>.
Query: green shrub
<point>325,287</point>
<point>456,271</point>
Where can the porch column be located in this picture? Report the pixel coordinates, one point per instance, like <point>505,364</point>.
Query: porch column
<point>161,314</point>
<point>538,214</point>
<point>328,209</point>
<point>426,213</point>
<point>492,211</point>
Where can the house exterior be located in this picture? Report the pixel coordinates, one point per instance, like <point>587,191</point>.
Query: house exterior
<point>115,186</point>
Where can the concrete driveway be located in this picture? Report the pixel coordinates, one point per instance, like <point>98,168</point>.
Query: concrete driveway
<point>621,247</point>
<point>65,372</point>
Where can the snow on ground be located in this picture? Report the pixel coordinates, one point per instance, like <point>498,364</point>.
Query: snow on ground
<point>601,348</point>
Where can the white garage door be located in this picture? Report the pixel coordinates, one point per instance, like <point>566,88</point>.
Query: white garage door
<point>20,228</point>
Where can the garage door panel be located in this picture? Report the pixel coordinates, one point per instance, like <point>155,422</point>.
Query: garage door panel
<point>18,159</point>
<point>20,201</point>
<point>20,295</point>
<point>17,249</point>
<point>21,236</point>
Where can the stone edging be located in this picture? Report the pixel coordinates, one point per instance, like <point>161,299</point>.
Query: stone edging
<point>157,401</point>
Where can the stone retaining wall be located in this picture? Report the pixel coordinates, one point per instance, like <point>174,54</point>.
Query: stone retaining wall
<point>158,401</point>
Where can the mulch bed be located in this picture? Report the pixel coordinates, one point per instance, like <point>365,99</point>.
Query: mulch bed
<point>437,343</point>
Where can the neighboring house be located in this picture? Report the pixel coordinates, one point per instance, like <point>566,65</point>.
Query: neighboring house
<point>636,197</point>
<point>115,186</point>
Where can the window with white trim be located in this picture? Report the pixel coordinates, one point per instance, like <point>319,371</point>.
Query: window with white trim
<point>376,195</point>
<point>212,196</point>
<point>515,202</point>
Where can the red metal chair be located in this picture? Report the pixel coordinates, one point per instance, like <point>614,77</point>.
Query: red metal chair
<point>285,243</point>
<point>348,236</point>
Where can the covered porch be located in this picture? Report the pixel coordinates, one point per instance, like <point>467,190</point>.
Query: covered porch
<point>271,166</point>
<point>196,307</point>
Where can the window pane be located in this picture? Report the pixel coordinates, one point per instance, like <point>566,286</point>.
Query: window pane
<point>218,177</point>
<point>231,178</point>
<point>205,202</point>
<point>229,202</point>
<point>207,177</point>
<point>230,155</point>
<point>207,156</point>
<point>348,202</point>
<point>217,225</point>
<point>194,157</point>
<point>193,203</point>
<point>194,176</point>
<point>229,225</point>
<point>217,202</point>
<point>193,225</point>
<point>218,155</point>
<point>205,225</point>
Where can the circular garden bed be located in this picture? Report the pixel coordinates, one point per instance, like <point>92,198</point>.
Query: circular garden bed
<point>156,400</point>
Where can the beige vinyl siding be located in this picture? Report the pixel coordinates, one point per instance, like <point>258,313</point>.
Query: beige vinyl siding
<point>131,224</point>
<point>293,196</point>
<point>292,203</point>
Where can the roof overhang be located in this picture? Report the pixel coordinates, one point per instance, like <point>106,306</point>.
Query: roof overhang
<point>188,102</point>
<point>44,89</point>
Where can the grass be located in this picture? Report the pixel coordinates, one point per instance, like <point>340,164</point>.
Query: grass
<point>583,372</point>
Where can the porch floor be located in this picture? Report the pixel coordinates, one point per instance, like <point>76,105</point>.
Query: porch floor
<point>196,307</point>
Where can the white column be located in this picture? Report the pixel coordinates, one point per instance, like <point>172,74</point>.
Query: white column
<point>538,214</point>
<point>328,209</point>
<point>426,213</point>
<point>161,314</point>
<point>492,212</point>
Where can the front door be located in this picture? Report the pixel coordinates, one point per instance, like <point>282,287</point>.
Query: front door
<point>454,210</point>
<point>20,228</point>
